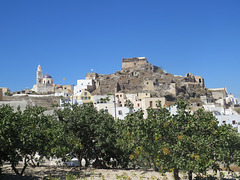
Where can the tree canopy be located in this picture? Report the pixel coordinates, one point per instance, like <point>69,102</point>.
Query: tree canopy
<point>185,141</point>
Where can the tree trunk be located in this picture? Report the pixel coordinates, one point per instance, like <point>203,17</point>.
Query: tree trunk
<point>87,162</point>
<point>190,175</point>
<point>175,172</point>
<point>15,169</point>
<point>79,156</point>
<point>23,169</point>
<point>149,163</point>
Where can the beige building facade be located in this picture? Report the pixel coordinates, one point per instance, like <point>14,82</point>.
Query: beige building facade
<point>4,90</point>
<point>84,97</point>
<point>1,95</point>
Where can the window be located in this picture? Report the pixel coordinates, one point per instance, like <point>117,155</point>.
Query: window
<point>233,122</point>
<point>85,98</point>
<point>106,110</point>
<point>82,98</point>
<point>224,122</point>
<point>150,103</point>
<point>120,112</point>
<point>138,105</point>
<point>89,98</point>
<point>85,93</point>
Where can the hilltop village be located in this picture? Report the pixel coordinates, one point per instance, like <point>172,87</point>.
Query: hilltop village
<point>139,84</point>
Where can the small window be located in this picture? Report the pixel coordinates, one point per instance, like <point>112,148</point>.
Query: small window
<point>85,93</point>
<point>85,98</point>
<point>233,122</point>
<point>150,103</point>
<point>82,98</point>
<point>89,97</point>
<point>120,95</point>
<point>106,110</point>
<point>120,112</point>
<point>224,122</point>
<point>138,105</point>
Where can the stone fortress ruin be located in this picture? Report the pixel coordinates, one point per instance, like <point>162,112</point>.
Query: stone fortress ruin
<point>140,76</point>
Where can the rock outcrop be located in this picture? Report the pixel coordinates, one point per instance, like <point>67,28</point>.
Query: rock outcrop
<point>137,76</point>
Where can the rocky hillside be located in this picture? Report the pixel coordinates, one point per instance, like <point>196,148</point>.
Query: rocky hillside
<point>149,78</point>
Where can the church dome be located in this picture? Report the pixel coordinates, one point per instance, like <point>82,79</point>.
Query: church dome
<point>47,76</point>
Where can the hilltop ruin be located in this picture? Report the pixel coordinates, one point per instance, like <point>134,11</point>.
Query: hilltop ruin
<point>140,76</point>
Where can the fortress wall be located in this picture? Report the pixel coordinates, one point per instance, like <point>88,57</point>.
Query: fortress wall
<point>133,62</point>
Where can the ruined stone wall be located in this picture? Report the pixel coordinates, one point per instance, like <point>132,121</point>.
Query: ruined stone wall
<point>200,81</point>
<point>133,62</point>
<point>91,76</point>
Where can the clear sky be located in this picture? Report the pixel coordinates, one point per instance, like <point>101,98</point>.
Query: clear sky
<point>68,38</point>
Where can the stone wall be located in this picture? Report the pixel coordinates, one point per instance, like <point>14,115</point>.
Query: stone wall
<point>133,62</point>
<point>43,101</point>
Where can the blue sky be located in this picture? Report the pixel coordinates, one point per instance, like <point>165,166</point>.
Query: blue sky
<point>69,38</point>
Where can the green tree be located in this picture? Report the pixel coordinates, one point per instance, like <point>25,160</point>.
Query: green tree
<point>23,134</point>
<point>186,141</point>
<point>141,138</point>
<point>128,136</point>
<point>195,142</point>
<point>87,134</point>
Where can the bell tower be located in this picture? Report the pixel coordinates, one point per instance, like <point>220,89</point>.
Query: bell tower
<point>39,76</point>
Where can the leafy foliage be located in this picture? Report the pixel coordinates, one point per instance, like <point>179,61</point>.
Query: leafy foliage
<point>186,141</point>
<point>86,133</point>
<point>23,135</point>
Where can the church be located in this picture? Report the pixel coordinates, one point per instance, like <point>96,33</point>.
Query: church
<point>44,84</point>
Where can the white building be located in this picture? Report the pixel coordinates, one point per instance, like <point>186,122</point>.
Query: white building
<point>83,84</point>
<point>111,105</point>
<point>233,120</point>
